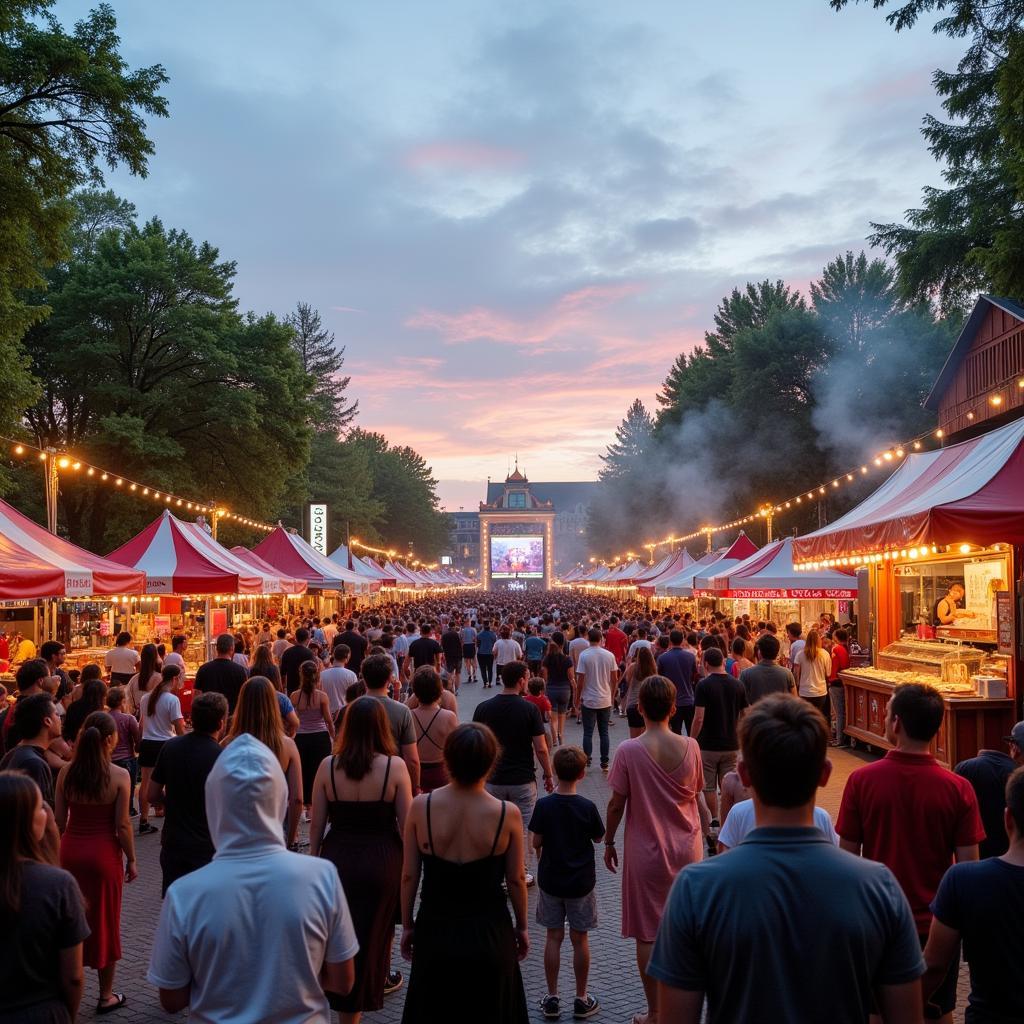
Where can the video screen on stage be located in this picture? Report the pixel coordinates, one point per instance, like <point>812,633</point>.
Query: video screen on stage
<point>517,558</point>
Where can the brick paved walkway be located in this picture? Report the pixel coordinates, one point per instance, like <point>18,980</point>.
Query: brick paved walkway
<point>614,978</point>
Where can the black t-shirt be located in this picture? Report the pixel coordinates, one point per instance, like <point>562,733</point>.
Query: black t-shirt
<point>723,698</point>
<point>30,760</point>
<point>984,902</point>
<point>291,660</point>
<point>222,675</point>
<point>451,644</point>
<point>558,666</point>
<point>78,711</point>
<point>181,768</point>
<point>357,644</point>
<point>425,650</point>
<point>759,680</point>
<point>515,722</point>
<point>987,773</point>
<point>52,918</point>
<point>570,826</point>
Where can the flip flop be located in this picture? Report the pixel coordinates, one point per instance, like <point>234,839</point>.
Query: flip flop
<point>111,1007</point>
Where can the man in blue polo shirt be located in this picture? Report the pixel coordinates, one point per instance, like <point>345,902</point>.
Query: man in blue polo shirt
<point>785,927</point>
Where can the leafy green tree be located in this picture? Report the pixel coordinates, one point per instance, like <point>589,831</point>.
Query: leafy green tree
<point>330,410</point>
<point>967,237</point>
<point>148,368</point>
<point>68,102</point>
<point>632,442</point>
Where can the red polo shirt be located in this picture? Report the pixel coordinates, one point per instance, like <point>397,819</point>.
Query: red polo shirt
<point>909,813</point>
<point>617,642</point>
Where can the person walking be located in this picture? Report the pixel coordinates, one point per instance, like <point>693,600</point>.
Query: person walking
<point>908,812</point>
<point>723,937</point>
<point>465,843</point>
<point>177,784</point>
<point>364,792</point>
<point>468,635</point>
<point>294,658</point>
<point>259,933</point>
<point>162,720</point>
<point>642,667</point>
<point>558,675</point>
<point>258,715</point>
<point>506,650</point>
<point>451,647</point>
<point>812,666</point>
<point>378,674</point>
<point>485,641</point>
<point>656,781</point>
<point>520,733</point>
<point>223,674</point>
<point>97,846</point>
<point>129,736</point>
<point>42,912</point>
<point>315,735</point>
<point>336,680</point>
<point>597,675</point>
<point>767,675</point>
<point>840,655</point>
<point>147,676</point>
<point>679,666</point>
<point>433,724</point>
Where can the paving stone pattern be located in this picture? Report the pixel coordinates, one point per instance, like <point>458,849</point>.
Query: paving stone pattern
<point>613,974</point>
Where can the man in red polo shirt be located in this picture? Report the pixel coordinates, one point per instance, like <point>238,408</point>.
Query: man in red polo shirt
<point>911,814</point>
<point>616,641</point>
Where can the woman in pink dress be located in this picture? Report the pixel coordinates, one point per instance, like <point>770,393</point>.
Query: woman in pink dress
<point>656,779</point>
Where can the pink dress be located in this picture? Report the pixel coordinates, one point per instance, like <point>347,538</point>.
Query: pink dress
<point>662,830</point>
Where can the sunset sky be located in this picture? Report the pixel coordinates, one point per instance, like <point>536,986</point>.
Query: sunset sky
<point>515,216</point>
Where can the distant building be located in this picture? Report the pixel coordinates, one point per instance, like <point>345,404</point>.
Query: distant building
<point>465,550</point>
<point>517,538</point>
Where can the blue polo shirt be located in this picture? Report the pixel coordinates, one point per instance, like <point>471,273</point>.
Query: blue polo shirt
<point>786,927</point>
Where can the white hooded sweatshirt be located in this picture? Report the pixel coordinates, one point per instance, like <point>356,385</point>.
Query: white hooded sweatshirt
<point>251,930</point>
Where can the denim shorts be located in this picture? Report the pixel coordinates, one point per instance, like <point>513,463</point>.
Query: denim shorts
<point>560,696</point>
<point>554,911</point>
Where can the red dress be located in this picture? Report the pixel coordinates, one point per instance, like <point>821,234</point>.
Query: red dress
<point>90,851</point>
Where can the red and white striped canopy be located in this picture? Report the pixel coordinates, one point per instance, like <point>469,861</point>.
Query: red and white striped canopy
<point>970,492</point>
<point>182,558</point>
<point>275,582</point>
<point>741,548</point>
<point>679,561</point>
<point>35,563</point>
<point>769,575</point>
<point>292,556</point>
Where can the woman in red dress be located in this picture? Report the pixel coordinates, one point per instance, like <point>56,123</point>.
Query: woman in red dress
<point>92,815</point>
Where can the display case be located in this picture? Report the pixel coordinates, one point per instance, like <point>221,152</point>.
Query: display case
<point>948,666</point>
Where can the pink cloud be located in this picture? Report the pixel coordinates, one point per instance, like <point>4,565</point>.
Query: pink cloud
<point>466,156</point>
<point>574,313</point>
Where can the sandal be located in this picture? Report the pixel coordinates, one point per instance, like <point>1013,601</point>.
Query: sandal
<point>120,998</point>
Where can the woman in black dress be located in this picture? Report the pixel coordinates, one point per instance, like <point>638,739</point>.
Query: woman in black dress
<point>466,843</point>
<point>364,791</point>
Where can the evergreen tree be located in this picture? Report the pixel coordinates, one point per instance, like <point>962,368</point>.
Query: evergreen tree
<point>632,442</point>
<point>322,360</point>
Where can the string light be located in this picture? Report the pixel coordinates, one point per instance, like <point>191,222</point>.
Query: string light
<point>71,464</point>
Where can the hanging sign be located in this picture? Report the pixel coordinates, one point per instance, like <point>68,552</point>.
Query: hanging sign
<point>77,584</point>
<point>318,528</point>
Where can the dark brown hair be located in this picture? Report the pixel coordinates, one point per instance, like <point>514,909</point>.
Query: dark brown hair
<point>426,684</point>
<point>919,707</point>
<point>88,774</point>
<point>784,740</point>
<point>569,763</point>
<point>657,698</point>
<point>365,732</point>
<point>18,796</point>
<point>470,752</point>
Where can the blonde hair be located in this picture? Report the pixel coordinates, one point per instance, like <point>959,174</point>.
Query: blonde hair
<point>812,645</point>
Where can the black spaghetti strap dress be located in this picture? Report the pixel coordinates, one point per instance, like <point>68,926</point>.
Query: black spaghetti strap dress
<point>365,847</point>
<point>464,920</point>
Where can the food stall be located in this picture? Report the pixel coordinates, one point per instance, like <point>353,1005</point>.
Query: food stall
<point>738,551</point>
<point>942,541</point>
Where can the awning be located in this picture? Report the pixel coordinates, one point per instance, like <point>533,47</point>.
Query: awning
<point>972,492</point>
<point>284,585</point>
<point>769,575</point>
<point>182,558</point>
<point>681,583</point>
<point>291,555</point>
<point>34,563</point>
<point>677,563</point>
<point>740,549</point>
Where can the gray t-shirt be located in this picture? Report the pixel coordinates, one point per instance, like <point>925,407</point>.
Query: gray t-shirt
<point>722,933</point>
<point>400,719</point>
<point>759,680</point>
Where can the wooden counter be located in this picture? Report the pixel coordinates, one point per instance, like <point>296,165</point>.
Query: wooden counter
<point>969,724</point>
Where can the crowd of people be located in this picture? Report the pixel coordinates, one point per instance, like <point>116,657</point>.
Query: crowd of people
<point>322,792</point>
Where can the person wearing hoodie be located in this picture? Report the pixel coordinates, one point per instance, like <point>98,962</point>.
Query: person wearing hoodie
<point>213,951</point>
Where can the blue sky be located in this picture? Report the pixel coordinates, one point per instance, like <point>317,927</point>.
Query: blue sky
<point>515,216</point>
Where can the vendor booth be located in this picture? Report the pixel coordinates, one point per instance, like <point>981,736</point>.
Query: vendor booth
<point>942,541</point>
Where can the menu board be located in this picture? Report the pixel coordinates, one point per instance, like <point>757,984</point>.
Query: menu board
<point>1004,622</point>
<point>981,582</point>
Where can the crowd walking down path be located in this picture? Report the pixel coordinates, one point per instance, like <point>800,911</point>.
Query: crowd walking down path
<point>613,979</point>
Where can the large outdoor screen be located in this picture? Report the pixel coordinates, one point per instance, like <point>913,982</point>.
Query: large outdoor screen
<point>515,558</point>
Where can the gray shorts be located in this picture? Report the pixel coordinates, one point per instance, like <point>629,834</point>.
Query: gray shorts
<point>554,911</point>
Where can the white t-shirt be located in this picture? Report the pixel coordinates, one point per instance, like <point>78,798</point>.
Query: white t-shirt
<point>596,665</point>
<point>814,674</point>
<point>506,651</point>
<point>174,658</point>
<point>122,659</point>
<point>280,646</point>
<point>794,649</point>
<point>335,681</point>
<point>741,821</point>
<point>636,645</point>
<point>240,659</point>
<point>160,725</point>
<point>576,648</point>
